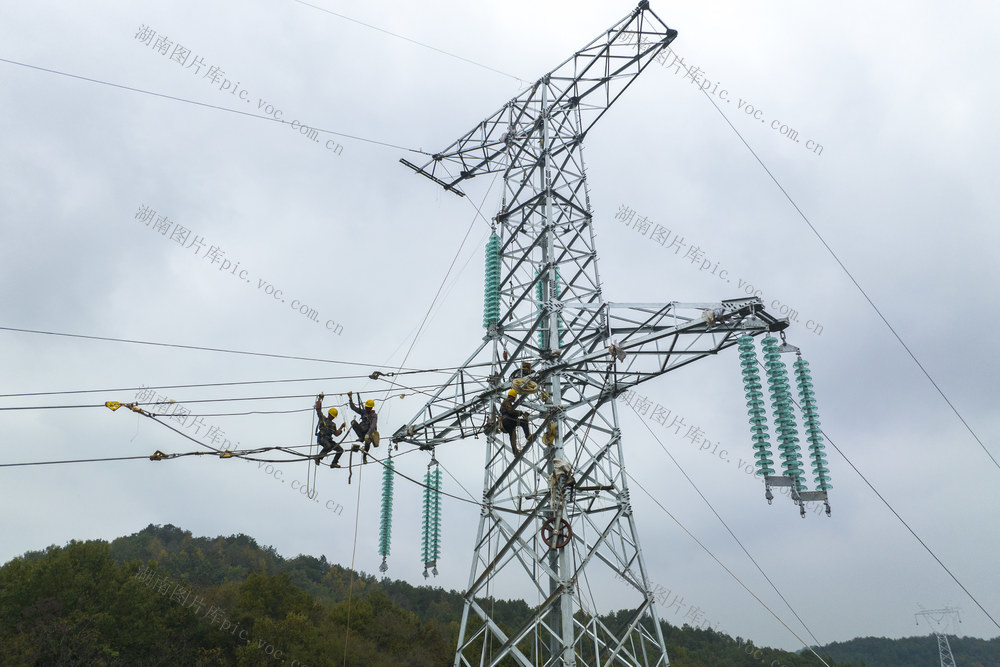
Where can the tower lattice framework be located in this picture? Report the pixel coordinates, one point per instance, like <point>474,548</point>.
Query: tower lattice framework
<point>940,621</point>
<point>557,523</point>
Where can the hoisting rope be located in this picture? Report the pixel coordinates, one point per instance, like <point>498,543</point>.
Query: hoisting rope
<point>350,587</point>
<point>310,473</point>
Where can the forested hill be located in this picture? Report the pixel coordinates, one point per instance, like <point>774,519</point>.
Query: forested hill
<point>164,597</point>
<point>915,651</point>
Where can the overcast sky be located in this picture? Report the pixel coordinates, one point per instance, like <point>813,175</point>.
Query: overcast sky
<point>878,121</point>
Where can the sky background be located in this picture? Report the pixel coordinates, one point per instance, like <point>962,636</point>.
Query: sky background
<point>900,97</point>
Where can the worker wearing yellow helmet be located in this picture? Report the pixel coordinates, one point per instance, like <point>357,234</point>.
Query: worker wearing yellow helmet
<point>326,430</point>
<point>511,418</point>
<point>367,428</point>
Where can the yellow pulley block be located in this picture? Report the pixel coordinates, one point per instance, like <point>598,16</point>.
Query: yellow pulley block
<point>523,386</point>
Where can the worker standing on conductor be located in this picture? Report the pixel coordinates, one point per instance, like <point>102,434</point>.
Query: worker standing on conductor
<point>367,428</point>
<point>326,430</point>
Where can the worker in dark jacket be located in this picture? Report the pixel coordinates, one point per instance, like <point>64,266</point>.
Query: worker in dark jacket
<point>367,428</point>
<point>326,431</point>
<point>511,418</point>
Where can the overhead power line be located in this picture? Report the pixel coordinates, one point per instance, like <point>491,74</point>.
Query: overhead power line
<point>912,532</point>
<point>724,567</point>
<point>49,463</point>
<point>206,105</point>
<point>191,347</point>
<point>199,385</point>
<point>854,280</point>
<point>399,371</point>
<point>412,41</point>
<point>729,530</point>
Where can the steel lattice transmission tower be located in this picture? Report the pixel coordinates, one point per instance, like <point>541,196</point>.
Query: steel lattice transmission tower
<point>938,618</point>
<point>564,539</point>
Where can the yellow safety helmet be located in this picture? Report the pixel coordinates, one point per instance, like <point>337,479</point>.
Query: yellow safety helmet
<point>512,392</point>
<point>369,403</point>
<point>332,412</point>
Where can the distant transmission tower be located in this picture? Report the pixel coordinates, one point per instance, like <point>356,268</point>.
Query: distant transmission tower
<point>557,519</point>
<point>940,621</point>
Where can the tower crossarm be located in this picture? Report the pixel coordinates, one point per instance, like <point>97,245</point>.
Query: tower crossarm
<point>654,339</point>
<point>940,621</point>
<point>569,99</point>
<point>658,338</point>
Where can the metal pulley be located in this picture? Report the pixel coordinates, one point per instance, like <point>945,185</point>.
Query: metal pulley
<point>556,538</point>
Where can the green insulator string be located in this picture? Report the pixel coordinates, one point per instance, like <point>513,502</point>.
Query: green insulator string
<point>810,424</point>
<point>491,302</point>
<point>432,517</point>
<point>757,410</point>
<point>540,298</point>
<point>786,433</point>
<point>385,528</point>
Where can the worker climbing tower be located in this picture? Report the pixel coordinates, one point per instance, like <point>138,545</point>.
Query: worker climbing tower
<point>556,526</point>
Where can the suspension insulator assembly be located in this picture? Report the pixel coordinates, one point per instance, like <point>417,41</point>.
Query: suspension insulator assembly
<point>431,550</point>
<point>385,527</point>
<point>756,407</point>
<point>786,433</point>
<point>491,302</point>
<point>810,424</point>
